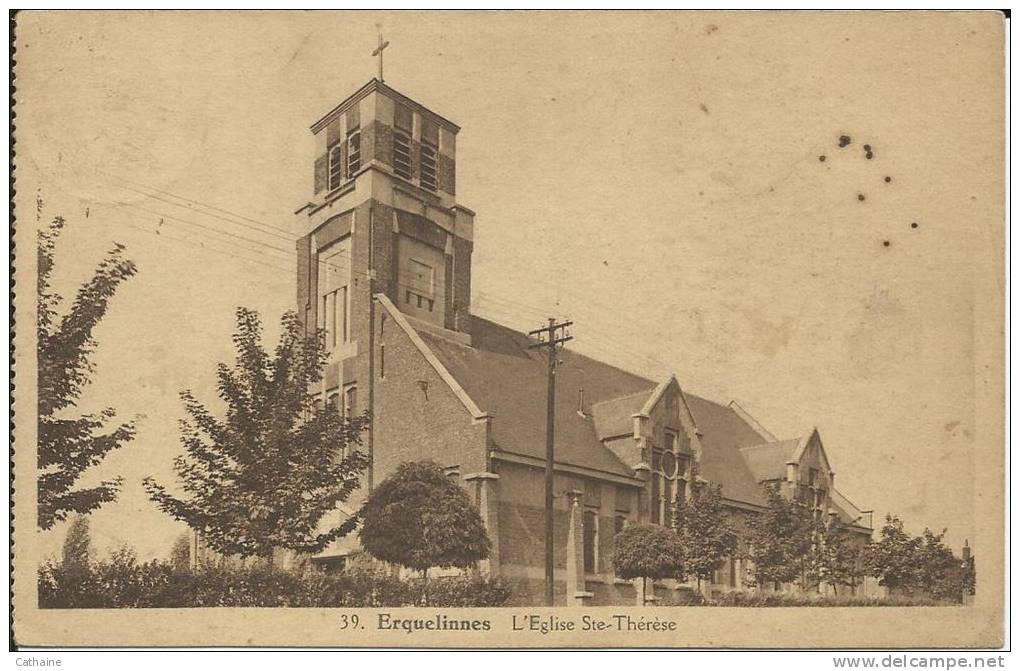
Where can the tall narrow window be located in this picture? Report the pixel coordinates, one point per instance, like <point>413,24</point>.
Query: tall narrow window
<point>656,493</point>
<point>334,273</point>
<point>353,152</point>
<point>350,401</point>
<point>336,166</point>
<point>428,167</point>
<point>667,502</point>
<point>402,155</point>
<point>382,360</point>
<point>591,531</point>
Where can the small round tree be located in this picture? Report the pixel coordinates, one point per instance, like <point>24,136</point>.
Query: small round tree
<point>419,518</point>
<point>647,551</point>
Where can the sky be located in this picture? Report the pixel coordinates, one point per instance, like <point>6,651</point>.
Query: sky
<point>658,178</point>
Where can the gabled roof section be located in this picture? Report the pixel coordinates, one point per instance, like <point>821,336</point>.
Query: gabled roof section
<point>723,432</point>
<point>615,417</point>
<point>816,437</point>
<point>765,434</point>
<point>497,371</point>
<point>509,380</point>
<point>847,512</point>
<point>444,373</point>
<point>649,405</point>
<point>768,461</point>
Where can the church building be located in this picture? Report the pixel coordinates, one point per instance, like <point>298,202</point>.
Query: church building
<point>384,268</point>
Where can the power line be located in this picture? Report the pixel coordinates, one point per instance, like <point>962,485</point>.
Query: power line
<point>171,238</point>
<point>197,202</point>
<point>290,253</point>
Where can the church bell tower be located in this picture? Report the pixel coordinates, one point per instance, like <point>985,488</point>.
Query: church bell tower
<point>381,217</point>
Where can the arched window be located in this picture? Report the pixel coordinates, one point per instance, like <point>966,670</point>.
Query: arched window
<point>591,535</point>
<point>336,166</point>
<point>353,152</point>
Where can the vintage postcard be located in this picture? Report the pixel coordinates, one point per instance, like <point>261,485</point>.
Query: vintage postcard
<point>509,329</point>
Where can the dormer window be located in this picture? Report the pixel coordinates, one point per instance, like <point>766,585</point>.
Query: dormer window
<point>402,155</point>
<point>428,166</point>
<point>353,151</point>
<point>336,166</point>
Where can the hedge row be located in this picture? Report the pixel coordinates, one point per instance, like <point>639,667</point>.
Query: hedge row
<point>765,599</point>
<point>122,583</point>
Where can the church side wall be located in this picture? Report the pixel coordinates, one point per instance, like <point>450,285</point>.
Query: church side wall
<point>522,532</point>
<point>417,415</point>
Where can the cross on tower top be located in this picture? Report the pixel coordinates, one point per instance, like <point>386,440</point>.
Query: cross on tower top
<point>378,52</point>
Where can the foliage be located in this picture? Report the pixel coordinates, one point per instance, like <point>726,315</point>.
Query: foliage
<point>419,518</point>
<point>706,538</point>
<point>647,551</point>
<point>69,445</point>
<point>266,474</point>
<point>768,599</point>
<point>180,553</point>
<point>918,564</point>
<point>122,582</point>
<point>77,549</point>
<point>943,574</point>
<point>894,558</point>
<point>836,559</point>
<point>779,541</point>
<point>969,578</point>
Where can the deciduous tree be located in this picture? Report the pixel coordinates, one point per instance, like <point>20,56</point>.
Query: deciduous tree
<point>836,559</point>
<point>70,443</point>
<point>76,553</point>
<point>647,551</point>
<point>419,518</point>
<point>779,540</point>
<point>705,535</point>
<point>894,559</point>
<point>266,474</point>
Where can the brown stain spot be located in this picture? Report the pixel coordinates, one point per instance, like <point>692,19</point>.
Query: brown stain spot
<point>888,179</point>
<point>770,336</point>
<point>950,426</point>
<point>822,158</point>
<point>860,197</point>
<point>711,28</point>
<point>914,224</point>
<point>886,243</point>
<point>844,141</point>
<point>703,108</point>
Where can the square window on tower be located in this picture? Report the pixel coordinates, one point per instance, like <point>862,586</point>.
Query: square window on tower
<point>422,278</point>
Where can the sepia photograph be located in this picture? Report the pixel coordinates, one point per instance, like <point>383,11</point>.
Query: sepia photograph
<point>509,329</point>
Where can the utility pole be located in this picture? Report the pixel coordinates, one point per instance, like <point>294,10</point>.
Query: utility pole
<point>552,338</point>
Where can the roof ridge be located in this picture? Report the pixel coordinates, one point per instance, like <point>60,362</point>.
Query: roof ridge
<point>617,399</point>
<point>750,420</point>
